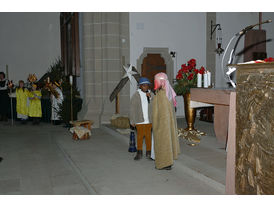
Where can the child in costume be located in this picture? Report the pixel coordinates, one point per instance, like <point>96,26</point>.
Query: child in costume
<point>166,141</point>
<point>56,100</point>
<point>35,110</point>
<point>22,109</point>
<point>4,97</point>
<point>140,116</point>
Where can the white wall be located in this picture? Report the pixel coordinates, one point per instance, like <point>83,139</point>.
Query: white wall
<point>269,32</point>
<point>29,43</point>
<point>232,23</point>
<point>184,33</point>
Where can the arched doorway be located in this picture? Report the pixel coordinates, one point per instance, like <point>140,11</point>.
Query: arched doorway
<point>152,64</point>
<point>153,61</point>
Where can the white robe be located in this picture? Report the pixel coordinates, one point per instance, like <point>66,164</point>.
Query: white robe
<point>152,147</point>
<point>55,104</point>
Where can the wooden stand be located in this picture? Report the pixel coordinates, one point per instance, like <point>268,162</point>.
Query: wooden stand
<point>83,123</point>
<point>75,137</point>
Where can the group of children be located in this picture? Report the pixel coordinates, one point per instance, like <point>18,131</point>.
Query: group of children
<point>155,114</point>
<point>28,102</point>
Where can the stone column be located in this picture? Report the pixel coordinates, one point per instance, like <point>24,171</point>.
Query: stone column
<point>105,43</point>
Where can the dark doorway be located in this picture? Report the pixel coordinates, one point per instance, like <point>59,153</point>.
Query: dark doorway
<point>153,64</point>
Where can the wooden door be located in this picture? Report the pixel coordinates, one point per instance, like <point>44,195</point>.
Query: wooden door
<point>152,64</point>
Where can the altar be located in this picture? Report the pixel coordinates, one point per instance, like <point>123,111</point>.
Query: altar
<point>220,99</point>
<point>245,125</point>
<point>224,102</point>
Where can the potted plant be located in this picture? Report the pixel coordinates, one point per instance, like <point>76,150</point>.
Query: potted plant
<point>186,78</point>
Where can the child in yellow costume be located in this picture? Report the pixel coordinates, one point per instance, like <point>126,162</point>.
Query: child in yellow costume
<point>35,110</point>
<point>22,102</point>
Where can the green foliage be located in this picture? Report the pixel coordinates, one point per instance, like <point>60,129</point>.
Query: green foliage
<point>186,77</point>
<point>56,73</point>
<point>182,86</point>
<point>65,107</point>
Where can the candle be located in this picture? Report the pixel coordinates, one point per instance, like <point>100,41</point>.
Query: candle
<point>205,80</point>
<point>70,80</point>
<point>208,78</point>
<point>48,80</point>
<point>199,80</point>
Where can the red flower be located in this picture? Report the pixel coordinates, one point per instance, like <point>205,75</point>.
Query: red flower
<point>270,59</point>
<point>196,71</point>
<point>184,68</point>
<point>183,65</point>
<point>190,77</point>
<point>189,68</point>
<point>202,70</point>
<point>179,76</point>
<point>192,63</point>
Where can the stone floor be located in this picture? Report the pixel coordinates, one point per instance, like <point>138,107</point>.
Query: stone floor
<point>45,160</point>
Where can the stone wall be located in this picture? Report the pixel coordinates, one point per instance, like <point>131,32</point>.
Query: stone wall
<point>105,48</point>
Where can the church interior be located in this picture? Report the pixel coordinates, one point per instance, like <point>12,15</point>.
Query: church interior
<point>80,71</point>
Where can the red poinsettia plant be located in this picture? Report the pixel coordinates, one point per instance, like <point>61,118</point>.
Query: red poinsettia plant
<point>186,77</point>
<point>267,60</point>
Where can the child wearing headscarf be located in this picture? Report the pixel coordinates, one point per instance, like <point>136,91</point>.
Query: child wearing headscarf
<point>166,141</point>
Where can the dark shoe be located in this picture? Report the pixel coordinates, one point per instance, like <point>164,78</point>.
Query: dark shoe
<point>1,158</point>
<point>139,155</point>
<point>34,121</point>
<point>23,121</point>
<point>166,168</point>
<point>57,122</point>
<point>148,154</point>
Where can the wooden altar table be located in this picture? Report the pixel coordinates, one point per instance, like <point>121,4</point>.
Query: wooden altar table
<point>220,98</point>
<point>224,101</point>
